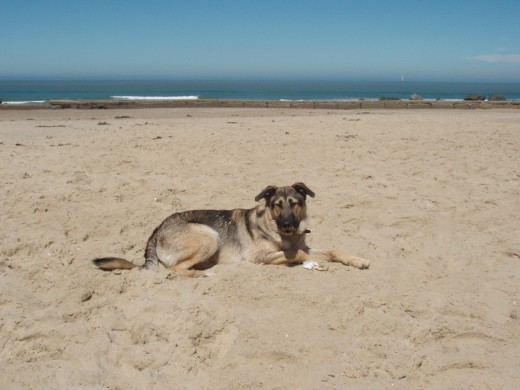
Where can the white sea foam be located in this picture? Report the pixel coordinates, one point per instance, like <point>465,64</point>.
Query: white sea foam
<point>155,97</point>
<point>331,100</point>
<point>26,102</point>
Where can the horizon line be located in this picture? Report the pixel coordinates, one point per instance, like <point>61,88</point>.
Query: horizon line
<point>252,79</point>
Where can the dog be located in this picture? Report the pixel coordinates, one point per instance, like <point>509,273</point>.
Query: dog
<point>189,242</point>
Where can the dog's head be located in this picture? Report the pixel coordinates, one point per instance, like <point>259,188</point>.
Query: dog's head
<point>287,206</point>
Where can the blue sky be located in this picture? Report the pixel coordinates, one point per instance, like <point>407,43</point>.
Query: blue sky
<point>438,40</point>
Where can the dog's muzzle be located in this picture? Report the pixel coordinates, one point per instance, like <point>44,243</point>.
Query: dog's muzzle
<point>287,228</point>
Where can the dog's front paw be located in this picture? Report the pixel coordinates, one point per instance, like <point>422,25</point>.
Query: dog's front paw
<point>362,264</point>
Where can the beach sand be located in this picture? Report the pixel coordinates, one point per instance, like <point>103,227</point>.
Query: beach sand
<point>430,197</point>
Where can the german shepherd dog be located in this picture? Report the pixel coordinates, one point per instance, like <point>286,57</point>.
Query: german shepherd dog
<point>270,233</point>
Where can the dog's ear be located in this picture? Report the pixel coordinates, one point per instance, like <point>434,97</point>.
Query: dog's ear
<point>266,193</point>
<point>303,190</point>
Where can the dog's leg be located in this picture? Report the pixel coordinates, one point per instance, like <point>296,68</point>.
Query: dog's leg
<point>338,257</point>
<point>181,251</point>
<point>300,256</point>
<point>286,257</point>
<point>184,269</point>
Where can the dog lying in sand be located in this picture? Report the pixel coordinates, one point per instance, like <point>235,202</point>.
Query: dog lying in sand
<point>270,233</point>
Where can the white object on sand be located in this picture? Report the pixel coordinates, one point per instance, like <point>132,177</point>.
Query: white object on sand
<point>309,264</point>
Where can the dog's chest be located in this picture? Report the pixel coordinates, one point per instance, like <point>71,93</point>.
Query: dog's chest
<point>291,243</point>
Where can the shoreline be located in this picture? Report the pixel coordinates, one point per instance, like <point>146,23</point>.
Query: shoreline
<point>227,103</point>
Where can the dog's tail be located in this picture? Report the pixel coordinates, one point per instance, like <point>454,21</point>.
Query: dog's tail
<point>150,255</point>
<point>112,263</point>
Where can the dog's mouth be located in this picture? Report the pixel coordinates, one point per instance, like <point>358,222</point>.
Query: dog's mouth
<point>286,228</point>
<point>288,231</point>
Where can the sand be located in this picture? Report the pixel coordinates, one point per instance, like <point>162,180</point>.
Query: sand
<point>431,198</point>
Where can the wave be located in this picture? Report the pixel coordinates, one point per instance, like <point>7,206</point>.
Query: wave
<point>25,102</point>
<point>154,97</point>
<point>330,100</point>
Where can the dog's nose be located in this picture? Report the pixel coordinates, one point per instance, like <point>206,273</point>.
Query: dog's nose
<point>286,225</point>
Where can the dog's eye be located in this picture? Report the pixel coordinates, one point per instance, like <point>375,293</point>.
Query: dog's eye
<point>279,205</point>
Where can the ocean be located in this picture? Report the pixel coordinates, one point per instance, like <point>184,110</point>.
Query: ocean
<point>20,92</point>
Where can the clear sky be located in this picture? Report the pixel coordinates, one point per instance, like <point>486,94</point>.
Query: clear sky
<point>435,40</point>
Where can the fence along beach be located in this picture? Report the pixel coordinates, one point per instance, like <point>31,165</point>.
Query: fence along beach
<point>215,103</point>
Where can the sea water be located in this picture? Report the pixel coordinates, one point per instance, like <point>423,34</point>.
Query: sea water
<point>19,92</point>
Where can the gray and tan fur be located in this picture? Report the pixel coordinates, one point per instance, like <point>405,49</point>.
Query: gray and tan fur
<point>270,233</point>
